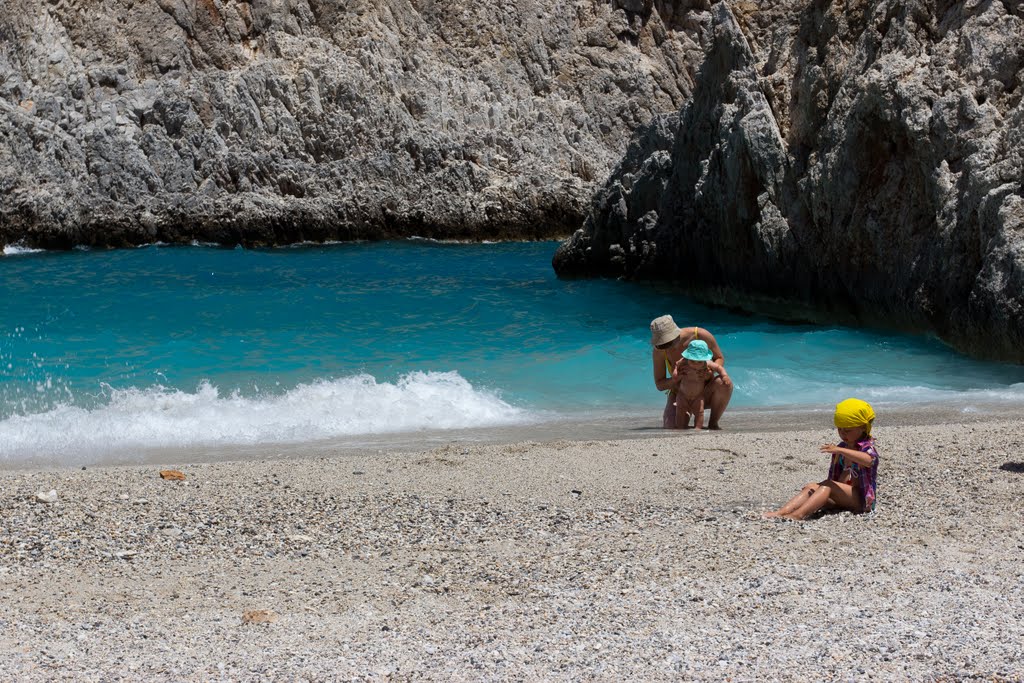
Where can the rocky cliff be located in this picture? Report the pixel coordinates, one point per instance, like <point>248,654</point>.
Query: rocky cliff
<point>859,161</point>
<point>270,121</point>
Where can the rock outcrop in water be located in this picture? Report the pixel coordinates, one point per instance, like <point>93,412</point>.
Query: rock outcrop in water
<point>860,161</point>
<point>273,121</point>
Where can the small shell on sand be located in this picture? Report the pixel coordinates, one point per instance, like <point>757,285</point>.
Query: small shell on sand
<point>46,497</point>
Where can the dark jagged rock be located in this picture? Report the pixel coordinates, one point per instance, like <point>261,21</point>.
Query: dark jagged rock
<point>859,162</point>
<point>268,121</point>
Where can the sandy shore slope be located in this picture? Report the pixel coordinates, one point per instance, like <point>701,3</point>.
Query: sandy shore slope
<point>641,559</point>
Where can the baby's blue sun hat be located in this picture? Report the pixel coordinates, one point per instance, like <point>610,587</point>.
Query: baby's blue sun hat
<point>698,350</point>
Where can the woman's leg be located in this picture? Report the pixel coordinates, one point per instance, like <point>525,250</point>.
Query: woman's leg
<point>716,397</point>
<point>668,416</point>
<point>829,492</point>
<point>682,413</point>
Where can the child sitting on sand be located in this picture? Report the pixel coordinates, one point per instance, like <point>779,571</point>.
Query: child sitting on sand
<point>694,370</point>
<point>853,473</point>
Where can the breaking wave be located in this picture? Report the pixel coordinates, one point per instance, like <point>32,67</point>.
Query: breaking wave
<point>158,417</point>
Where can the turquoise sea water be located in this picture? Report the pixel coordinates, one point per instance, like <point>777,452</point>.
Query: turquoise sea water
<point>177,347</point>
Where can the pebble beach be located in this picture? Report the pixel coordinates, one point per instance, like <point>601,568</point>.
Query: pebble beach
<point>558,560</point>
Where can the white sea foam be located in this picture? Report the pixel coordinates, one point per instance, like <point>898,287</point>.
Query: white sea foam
<point>772,387</point>
<point>436,240</point>
<point>306,244</point>
<point>158,417</point>
<point>17,250</point>
<point>910,395</point>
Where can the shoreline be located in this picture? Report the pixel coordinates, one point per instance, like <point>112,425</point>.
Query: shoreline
<point>603,427</point>
<point>642,558</point>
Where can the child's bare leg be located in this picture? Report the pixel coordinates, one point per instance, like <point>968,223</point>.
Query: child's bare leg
<point>796,501</point>
<point>812,503</point>
<point>829,492</point>
<point>698,414</point>
<point>691,407</point>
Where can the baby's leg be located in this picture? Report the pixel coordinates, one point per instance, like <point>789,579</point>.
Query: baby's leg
<point>698,414</point>
<point>682,412</point>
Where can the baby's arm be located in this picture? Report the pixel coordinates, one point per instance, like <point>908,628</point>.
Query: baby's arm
<point>859,457</point>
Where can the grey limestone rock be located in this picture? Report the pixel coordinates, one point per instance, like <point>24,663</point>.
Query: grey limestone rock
<point>857,162</point>
<point>270,121</point>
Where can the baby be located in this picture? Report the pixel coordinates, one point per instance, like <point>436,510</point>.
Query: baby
<point>694,370</point>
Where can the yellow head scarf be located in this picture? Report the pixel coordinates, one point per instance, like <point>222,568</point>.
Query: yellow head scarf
<point>854,412</point>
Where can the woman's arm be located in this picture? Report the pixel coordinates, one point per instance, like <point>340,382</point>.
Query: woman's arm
<point>663,382</point>
<point>719,369</point>
<point>859,457</point>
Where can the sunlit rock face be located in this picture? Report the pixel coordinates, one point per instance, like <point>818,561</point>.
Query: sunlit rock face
<point>852,162</point>
<point>272,121</point>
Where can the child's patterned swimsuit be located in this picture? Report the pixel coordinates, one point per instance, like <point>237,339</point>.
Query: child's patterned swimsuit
<point>863,479</point>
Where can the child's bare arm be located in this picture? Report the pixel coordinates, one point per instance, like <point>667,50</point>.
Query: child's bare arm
<point>859,457</point>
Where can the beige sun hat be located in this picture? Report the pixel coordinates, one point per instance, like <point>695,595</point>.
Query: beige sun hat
<point>663,330</point>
